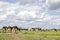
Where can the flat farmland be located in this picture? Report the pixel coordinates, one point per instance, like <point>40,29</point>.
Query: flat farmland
<point>25,35</point>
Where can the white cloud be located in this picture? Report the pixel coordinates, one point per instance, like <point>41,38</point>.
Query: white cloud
<point>3,17</point>
<point>55,22</point>
<point>26,15</point>
<point>7,9</point>
<point>54,1</point>
<point>26,11</point>
<point>54,4</point>
<point>44,17</point>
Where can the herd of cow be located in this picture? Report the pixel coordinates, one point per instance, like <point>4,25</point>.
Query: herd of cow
<point>15,29</point>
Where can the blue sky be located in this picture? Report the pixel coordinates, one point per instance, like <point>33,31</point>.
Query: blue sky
<point>10,1</point>
<point>30,13</point>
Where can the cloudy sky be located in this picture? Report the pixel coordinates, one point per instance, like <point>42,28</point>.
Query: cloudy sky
<point>30,13</point>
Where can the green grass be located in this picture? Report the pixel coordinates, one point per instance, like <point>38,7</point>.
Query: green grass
<point>31,36</point>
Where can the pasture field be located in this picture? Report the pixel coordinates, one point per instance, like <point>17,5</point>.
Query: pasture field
<point>25,35</point>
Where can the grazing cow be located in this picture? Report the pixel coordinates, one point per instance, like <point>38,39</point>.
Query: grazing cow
<point>14,29</point>
<point>24,29</point>
<point>39,29</point>
<point>55,30</point>
<point>36,29</point>
<point>9,29</point>
<point>32,29</point>
<point>4,29</point>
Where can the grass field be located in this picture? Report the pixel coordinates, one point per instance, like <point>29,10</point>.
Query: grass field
<point>31,36</point>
